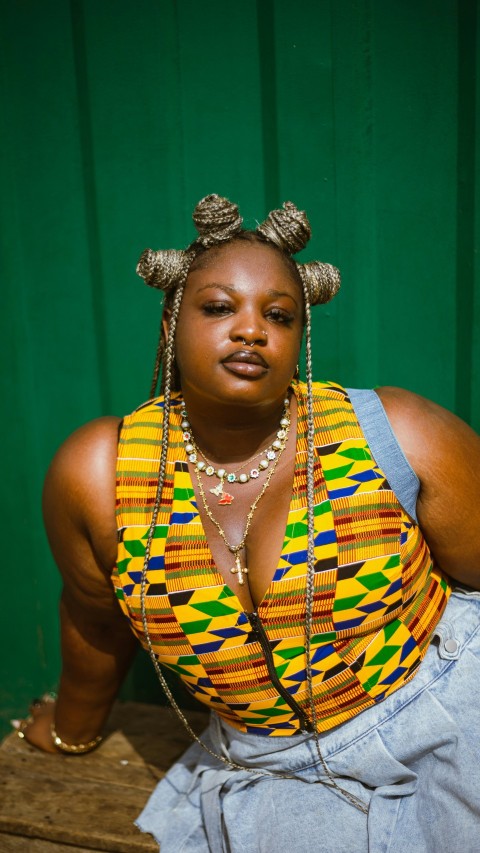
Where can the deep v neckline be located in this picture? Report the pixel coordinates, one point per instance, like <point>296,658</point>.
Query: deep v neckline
<point>217,577</point>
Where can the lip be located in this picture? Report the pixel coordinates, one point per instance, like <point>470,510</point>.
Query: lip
<point>246,356</point>
<point>246,363</point>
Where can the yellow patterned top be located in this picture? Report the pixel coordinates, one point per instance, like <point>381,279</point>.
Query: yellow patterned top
<point>378,595</point>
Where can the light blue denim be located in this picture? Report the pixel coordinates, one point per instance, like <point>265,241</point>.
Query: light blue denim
<point>414,759</point>
<point>385,448</point>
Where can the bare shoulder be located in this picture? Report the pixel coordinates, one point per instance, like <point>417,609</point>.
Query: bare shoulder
<point>84,465</point>
<point>79,504</point>
<point>82,472</point>
<point>428,433</point>
<point>444,452</point>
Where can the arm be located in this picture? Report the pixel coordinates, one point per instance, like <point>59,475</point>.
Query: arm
<point>445,454</point>
<point>97,643</point>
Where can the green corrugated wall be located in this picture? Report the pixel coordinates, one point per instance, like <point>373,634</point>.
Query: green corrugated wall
<point>116,117</point>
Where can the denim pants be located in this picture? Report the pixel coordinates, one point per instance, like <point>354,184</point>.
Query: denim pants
<point>414,760</point>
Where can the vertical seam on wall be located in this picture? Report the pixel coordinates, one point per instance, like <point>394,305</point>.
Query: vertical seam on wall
<point>465,284</point>
<point>91,202</point>
<point>337,248</point>
<point>177,62</point>
<point>358,240</point>
<point>268,101</point>
<point>369,147</point>
<point>334,124</point>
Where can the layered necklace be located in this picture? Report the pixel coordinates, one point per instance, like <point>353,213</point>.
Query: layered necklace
<point>271,457</point>
<point>204,465</point>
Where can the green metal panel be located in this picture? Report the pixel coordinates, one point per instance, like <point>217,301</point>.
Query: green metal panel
<point>473,357</point>
<point>117,117</point>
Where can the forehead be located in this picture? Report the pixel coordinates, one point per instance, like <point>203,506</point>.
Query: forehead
<point>242,261</point>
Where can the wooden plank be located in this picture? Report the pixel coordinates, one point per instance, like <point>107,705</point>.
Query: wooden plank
<point>18,844</point>
<point>90,802</point>
<point>82,812</point>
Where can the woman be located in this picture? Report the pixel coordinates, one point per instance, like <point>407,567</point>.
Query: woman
<point>289,550</point>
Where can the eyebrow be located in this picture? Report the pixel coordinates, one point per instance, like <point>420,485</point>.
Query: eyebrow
<point>217,285</point>
<point>273,294</point>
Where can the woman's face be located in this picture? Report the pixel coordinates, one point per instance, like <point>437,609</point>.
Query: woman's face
<point>240,292</point>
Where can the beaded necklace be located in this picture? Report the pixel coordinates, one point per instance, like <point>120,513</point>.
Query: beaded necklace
<point>204,465</point>
<point>280,444</point>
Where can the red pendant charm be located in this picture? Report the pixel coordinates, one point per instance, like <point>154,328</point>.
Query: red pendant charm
<point>225,498</point>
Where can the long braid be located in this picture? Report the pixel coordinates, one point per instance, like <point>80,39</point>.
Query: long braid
<point>169,359</point>
<point>168,350</point>
<point>310,592</point>
<point>310,508</point>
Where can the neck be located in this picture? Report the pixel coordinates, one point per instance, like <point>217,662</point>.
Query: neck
<point>233,434</point>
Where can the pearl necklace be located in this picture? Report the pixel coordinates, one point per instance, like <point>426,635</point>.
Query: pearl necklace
<point>204,465</point>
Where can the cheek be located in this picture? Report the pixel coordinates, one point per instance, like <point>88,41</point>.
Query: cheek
<point>180,350</point>
<point>191,348</point>
<point>185,335</point>
<point>291,352</point>
<point>183,353</point>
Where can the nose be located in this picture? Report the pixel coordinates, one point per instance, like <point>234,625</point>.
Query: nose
<point>249,332</point>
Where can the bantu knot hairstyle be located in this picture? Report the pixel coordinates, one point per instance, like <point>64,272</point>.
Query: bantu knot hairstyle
<point>322,281</point>
<point>289,229</point>
<point>163,269</point>
<point>217,221</point>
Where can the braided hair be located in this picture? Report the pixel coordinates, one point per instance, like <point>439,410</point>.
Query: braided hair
<point>288,231</point>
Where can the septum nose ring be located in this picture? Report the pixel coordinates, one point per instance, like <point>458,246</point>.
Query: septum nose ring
<point>252,344</point>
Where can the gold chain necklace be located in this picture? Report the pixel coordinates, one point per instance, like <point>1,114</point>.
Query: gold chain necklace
<point>207,467</point>
<point>238,569</point>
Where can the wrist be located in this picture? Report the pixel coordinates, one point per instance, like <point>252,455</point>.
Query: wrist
<point>73,748</point>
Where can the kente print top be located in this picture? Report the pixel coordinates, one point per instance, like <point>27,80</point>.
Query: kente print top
<point>378,595</point>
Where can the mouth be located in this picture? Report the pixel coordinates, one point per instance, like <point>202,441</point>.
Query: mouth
<point>246,363</point>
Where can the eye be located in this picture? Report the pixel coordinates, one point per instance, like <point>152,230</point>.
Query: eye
<point>216,308</point>
<point>279,315</point>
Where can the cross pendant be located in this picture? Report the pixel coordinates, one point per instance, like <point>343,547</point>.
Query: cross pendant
<point>239,570</point>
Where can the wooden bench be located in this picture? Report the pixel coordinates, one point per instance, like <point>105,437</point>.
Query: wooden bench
<point>80,804</point>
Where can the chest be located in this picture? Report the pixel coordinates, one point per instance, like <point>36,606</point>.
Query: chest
<point>245,537</point>
<point>361,539</point>
<point>367,554</point>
